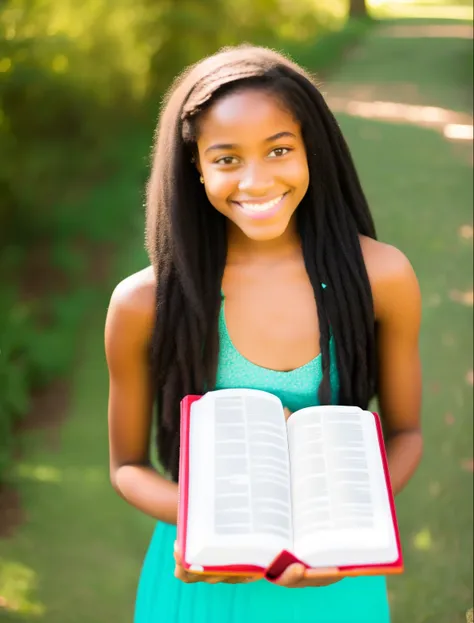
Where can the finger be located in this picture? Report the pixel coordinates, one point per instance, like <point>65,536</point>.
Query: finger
<point>207,577</point>
<point>241,580</point>
<point>213,579</point>
<point>229,579</point>
<point>322,572</point>
<point>321,577</point>
<point>179,561</point>
<point>181,574</point>
<point>287,413</point>
<point>177,553</point>
<point>292,575</point>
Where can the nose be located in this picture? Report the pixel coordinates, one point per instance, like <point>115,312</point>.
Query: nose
<point>256,180</point>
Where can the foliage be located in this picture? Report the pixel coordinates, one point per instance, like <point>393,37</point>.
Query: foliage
<point>420,187</point>
<point>74,78</point>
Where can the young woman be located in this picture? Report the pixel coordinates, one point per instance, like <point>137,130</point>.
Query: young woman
<point>265,273</point>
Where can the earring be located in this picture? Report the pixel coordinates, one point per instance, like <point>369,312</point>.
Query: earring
<point>201,179</point>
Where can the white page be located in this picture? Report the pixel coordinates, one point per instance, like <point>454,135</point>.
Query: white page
<point>239,486</point>
<point>341,509</point>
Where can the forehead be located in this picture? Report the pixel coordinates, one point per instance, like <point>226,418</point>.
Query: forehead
<point>252,112</point>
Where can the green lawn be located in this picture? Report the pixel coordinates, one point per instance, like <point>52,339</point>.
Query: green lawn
<point>420,189</point>
<point>76,558</point>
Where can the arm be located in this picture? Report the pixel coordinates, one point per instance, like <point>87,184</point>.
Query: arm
<point>397,304</point>
<point>398,311</point>
<point>128,331</point>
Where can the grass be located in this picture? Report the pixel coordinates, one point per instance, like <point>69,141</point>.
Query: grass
<point>76,558</point>
<point>420,189</point>
<point>442,73</point>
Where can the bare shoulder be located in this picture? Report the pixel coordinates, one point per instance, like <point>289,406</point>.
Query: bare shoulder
<point>391,274</point>
<point>384,262</point>
<point>132,304</point>
<point>136,293</point>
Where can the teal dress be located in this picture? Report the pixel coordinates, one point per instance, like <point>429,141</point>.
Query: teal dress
<point>161,598</point>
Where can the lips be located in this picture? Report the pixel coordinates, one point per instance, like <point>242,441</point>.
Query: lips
<point>260,206</point>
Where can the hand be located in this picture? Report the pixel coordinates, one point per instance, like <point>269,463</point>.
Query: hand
<point>287,413</point>
<point>297,576</point>
<point>190,578</point>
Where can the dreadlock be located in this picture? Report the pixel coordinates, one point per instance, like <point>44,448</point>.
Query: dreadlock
<point>187,244</point>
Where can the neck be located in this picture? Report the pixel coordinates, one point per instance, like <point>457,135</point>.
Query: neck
<point>240,248</point>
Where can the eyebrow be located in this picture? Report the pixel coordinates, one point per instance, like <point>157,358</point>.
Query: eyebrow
<point>274,137</point>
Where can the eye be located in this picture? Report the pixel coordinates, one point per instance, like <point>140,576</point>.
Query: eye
<point>227,160</point>
<point>279,152</point>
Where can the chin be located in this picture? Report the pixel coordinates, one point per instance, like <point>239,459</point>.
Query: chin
<point>264,233</point>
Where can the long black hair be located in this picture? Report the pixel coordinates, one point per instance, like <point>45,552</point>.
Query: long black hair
<point>187,244</point>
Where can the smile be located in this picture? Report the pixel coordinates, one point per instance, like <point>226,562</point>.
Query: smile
<point>263,209</point>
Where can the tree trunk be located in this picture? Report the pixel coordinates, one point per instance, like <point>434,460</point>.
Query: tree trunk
<point>358,8</point>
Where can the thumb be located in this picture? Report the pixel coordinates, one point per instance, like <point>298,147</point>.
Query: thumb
<point>287,413</point>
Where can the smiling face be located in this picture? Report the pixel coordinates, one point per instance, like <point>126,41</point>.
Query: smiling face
<point>253,159</point>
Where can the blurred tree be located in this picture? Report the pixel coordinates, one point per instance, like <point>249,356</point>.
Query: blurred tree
<point>72,75</point>
<point>358,8</point>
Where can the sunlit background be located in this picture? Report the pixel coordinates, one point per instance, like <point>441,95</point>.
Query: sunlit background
<point>80,89</point>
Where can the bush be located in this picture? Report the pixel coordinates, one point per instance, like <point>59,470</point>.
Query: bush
<point>73,76</point>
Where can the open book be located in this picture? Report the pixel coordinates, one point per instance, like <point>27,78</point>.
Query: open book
<point>257,492</point>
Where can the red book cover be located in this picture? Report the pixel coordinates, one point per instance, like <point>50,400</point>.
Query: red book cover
<point>284,558</point>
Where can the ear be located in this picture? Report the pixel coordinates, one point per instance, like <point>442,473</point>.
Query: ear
<point>195,160</point>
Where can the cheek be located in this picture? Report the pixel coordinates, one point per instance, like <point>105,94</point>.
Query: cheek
<point>298,175</point>
<point>219,187</point>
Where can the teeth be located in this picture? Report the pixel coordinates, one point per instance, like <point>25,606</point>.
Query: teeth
<point>262,207</point>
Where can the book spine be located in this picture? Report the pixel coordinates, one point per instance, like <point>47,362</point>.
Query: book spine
<point>183,476</point>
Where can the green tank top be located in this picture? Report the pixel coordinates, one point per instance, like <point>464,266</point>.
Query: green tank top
<point>296,388</point>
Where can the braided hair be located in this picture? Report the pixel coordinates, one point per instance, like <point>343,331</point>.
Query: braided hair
<point>187,244</point>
